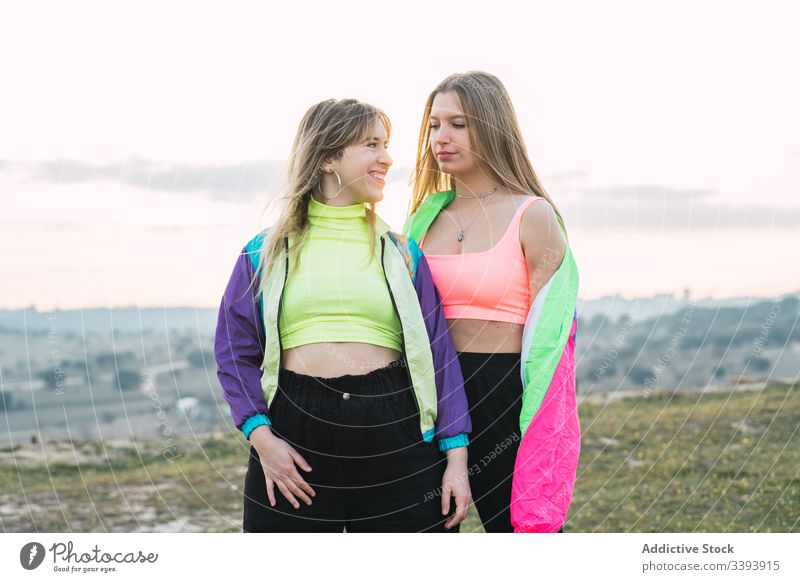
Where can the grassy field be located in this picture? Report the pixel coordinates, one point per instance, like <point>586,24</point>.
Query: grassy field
<point>666,462</point>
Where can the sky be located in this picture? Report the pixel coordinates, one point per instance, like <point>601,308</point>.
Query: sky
<point>140,142</point>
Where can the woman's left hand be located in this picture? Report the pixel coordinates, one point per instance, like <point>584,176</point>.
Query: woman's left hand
<point>455,482</point>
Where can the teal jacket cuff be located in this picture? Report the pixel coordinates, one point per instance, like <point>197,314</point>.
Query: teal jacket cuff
<point>459,440</point>
<point>253,422</point>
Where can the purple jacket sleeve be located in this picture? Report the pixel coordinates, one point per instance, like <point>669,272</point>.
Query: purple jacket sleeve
<point>453,414</point>
<point>239,344</point>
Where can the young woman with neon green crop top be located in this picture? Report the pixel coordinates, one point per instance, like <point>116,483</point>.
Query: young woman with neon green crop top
<point>333,352</point>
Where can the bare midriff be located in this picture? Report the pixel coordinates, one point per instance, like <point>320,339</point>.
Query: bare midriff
<point>334,359</point>
<point>475,335</point>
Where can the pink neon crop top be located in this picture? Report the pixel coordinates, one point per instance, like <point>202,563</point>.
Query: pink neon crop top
<point>491,285</point>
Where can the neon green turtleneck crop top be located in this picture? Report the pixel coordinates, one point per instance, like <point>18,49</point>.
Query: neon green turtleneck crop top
<point>337,294</point>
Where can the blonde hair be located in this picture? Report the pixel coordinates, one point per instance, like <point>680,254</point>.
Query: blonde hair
<point>326,129</point>
<point>494,134</point>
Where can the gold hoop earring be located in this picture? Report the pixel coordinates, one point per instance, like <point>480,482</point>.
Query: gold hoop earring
<point>339,191</point>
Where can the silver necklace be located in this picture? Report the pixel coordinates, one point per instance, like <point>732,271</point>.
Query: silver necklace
<point>474,216</point>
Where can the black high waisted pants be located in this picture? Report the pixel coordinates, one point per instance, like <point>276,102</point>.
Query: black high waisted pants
<point>371,470</point>
<point>494,391</point>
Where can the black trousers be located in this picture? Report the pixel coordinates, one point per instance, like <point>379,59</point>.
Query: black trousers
<point>371,470</point>
<point>494,392</point>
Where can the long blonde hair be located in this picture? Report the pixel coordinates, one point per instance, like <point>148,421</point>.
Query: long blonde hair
<point>494,134</point>
<point>326,129</point>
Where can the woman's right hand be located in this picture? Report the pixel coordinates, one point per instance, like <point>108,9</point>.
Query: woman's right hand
<point>278,460</point>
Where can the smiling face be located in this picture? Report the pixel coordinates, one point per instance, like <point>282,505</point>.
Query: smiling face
<point>363,166</point>
<point>449,137</point>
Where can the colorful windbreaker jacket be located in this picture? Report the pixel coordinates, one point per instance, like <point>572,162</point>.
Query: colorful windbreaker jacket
<point>547,460</point>
<point>248,323</point>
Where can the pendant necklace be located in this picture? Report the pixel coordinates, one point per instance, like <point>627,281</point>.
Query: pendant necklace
<point>480,199</point>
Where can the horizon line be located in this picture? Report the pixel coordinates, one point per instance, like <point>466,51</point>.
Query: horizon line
<point>677,296</point>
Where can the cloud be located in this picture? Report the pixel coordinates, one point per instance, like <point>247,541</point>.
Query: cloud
<point>241,182</point>
<point>630,206</point>
<point>652,206</point>
<point>235,182</point>
<point>649,206</point>
<point>646,193</point>
<point>565,176</point>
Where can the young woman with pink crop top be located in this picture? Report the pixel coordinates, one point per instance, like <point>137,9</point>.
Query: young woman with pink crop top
<point>499,255</point>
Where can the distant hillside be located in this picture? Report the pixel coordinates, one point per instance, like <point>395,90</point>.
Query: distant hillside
<point>616,307</point>
<point>128,320</point>
<point>693,347</point>
<point>65,373</point>
<point>203,319</point>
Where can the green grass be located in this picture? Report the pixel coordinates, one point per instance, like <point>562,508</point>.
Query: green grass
<point>686,462</point>
<point>682,462</point>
